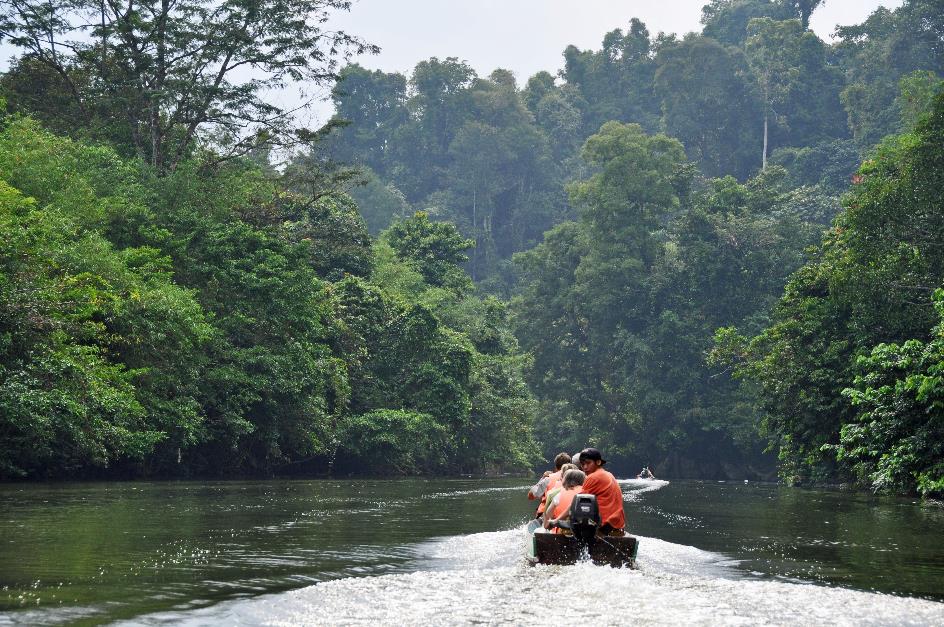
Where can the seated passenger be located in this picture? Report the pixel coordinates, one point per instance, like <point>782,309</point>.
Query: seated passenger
<point>603,485</point>
<point>553,491</point>
<point>645,473</point>
<point>549,480</point>
<point>558,508</point>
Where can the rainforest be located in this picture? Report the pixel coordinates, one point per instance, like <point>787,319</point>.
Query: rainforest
<point>718,253</point>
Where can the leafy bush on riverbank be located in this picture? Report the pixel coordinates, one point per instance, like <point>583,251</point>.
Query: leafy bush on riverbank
<point>896,441</point>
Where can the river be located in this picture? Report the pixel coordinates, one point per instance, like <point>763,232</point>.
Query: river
<point>404,551</point>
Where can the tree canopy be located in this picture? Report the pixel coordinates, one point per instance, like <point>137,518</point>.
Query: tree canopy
<point>158,73</point>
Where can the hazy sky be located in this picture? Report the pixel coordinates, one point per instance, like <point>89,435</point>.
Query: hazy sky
<point>527,36</point>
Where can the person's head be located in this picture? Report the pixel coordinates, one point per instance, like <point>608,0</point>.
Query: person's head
<point>560,460</point>
<point>591,460</point>
<point>575,460</point>
<point>573,478</point>
<point>567,467</point>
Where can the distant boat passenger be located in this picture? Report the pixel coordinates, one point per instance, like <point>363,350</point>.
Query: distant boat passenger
<point>553,491</point>
<point>645,473</point>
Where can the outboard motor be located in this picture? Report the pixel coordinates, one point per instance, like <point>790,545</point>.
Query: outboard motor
<point>584,518</point>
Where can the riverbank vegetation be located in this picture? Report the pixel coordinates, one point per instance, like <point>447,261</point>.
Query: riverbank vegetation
<point>211,322</point>
<point>849,368</point>
<point>716,253</point>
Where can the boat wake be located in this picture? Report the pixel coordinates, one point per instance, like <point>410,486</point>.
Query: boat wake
<point>483,578</point>
<point>633,489</point>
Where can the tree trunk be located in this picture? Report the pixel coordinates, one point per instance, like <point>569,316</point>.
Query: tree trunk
<point>764,160</point>
<point>475,231</point>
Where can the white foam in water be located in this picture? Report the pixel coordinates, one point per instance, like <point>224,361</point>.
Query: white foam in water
<point>483,578</point>
<point>644,485</point>
<point>439,495</point>
<point>640,486</point>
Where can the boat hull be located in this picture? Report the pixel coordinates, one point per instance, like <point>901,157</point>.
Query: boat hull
<point>554,548</point>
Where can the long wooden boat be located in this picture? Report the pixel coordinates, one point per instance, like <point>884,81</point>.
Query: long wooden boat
<point>556,548</point>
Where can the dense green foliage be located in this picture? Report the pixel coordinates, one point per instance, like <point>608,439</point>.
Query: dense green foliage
<point>896,440</point>
<point>166,315</point>
<point>189,324</point>
<point>877,54</point>
<point>493,156</point>
<point>710,245</point>
<point>647,255</point>
<point>849,364</point>
<point>620,307</point>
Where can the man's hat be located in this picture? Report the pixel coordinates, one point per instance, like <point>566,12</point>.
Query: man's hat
<point>591,453</point>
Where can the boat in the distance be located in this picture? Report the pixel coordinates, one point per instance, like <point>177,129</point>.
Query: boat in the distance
<point>582,540</point>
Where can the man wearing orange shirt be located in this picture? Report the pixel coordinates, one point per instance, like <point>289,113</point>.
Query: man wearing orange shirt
<point>603,485</point>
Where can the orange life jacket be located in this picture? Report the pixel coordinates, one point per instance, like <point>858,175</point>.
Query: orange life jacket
<point>565,498</point>
<point>555,480</point>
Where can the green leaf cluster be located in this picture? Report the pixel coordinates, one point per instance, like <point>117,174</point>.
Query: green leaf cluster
<point>95,338</point>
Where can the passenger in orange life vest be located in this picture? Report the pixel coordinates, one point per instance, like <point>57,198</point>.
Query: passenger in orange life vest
<point>559,507</point>
<point>603,485</point>
<point>548,481</point>
<point>553,491</point>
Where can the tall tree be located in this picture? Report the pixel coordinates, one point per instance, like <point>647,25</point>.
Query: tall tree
<point>803,8</point>
<point>173,70</point>
<point>768,48</point>
<point>583,306</point>
<point>615,82</point>
<point>708,103</point>
<point>726,20</point>
<point>373,103</point>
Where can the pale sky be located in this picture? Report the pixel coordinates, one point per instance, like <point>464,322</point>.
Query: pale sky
<point>527,36</point>
<point>524,36</point>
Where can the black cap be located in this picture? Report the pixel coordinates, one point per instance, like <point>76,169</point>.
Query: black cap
<point>591,453</point>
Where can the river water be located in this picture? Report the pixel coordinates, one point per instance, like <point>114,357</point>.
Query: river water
<point>452,551</point>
